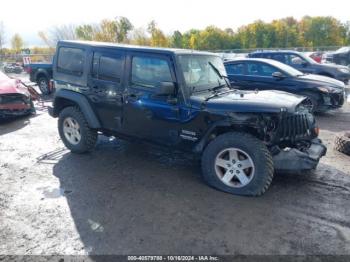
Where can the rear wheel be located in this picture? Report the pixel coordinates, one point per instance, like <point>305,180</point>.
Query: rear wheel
<point>75,131</point>
<point>43,84</point>
<point>238,163</point>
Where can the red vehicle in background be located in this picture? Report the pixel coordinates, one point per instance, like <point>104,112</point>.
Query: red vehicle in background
<point>16,99</point>
<point>317,56</point>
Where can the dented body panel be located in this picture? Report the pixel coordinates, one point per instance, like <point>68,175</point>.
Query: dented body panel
<point>15,99</point>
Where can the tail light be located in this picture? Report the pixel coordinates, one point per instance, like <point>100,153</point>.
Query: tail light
<point>28,69</point>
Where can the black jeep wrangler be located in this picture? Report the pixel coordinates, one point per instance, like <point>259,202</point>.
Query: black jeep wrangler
<point>181,99</point>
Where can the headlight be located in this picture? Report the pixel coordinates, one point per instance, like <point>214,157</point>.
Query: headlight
<point>344,70</point>
<point>324,89</point>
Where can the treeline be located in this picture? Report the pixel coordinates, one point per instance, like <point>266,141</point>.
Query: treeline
<point>282,33</point>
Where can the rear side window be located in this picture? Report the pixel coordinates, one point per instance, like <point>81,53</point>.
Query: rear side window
<point>149,71</point>
<point>71,60</point>
<point>109,68</point>
<point>259,69</point>
<point>235,69</point>
<point>279,57</point>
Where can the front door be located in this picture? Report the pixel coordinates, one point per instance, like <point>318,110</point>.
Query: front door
<point>148,115</point>
<point>259,76</point>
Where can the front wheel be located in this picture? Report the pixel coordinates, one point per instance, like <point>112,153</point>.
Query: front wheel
<point>238,163</point>
<point>75,131</point>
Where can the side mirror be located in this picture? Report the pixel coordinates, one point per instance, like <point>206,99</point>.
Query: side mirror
<point>165,89</point>
<point>277,75</point>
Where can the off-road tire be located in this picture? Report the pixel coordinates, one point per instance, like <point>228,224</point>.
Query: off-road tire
<point>342,143</point>
<point>44,91</point>
<point>88,135</point>
<point>260,155</point>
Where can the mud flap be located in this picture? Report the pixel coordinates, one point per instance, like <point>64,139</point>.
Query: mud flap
<point>296,160</point>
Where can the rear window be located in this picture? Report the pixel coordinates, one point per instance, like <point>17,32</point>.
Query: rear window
<point>70,60</point>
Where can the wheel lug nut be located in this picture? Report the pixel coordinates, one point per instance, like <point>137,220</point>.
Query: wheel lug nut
<point>233,161</point>
<point>237,172</point>
<point>239,165</point>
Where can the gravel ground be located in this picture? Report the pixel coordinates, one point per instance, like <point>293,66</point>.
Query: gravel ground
<point>135,199</point>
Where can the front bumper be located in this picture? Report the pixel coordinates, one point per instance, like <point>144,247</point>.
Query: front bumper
<point>344,77</point>
<point>295,160</point>
<point>332,100</point>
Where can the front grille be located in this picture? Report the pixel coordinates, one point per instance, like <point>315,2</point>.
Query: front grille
<point>295,127</point>
<point>13,99</point>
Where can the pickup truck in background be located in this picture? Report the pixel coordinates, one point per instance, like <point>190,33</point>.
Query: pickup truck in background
<point>41,73</point>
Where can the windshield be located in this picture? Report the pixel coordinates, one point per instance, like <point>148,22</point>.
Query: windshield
<point>343,49</point>
<point>307,58</point>
<point>199,75</point>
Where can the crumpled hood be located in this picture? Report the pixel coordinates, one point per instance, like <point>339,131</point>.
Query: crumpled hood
<point>323,80</point>
<point>248,101</point>
<point>11,86</point>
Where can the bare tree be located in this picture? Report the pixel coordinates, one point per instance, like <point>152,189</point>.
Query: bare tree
<point>2,36</point>
<point>63,32</point>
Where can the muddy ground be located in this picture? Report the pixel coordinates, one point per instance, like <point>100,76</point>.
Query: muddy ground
<point>135,199</point>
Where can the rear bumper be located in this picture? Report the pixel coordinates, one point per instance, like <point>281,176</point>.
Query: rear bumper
<point>296,160</point>
<point>51,112</point>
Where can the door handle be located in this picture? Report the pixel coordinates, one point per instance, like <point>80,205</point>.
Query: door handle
<point>133,97</point>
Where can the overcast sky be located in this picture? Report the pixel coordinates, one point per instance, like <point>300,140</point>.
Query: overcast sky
<point>28,17</point>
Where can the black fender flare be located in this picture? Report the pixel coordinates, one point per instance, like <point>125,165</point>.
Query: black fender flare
<point>41,71</point>
<point>200,145</point>
<point>78,99</point>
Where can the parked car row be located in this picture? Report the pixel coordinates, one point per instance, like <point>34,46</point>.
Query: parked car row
<point>323,93</point>
<point>305,64</point>
<point>13,68</point>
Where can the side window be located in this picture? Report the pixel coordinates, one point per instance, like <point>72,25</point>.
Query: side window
<point>252,69</point>
<point>70,61</point>
<point>235,69</point>
<point>108,68</point>
<point>280,57</point>
<point>259,69</point>
<point>294,60</point>
<point>149,71</point>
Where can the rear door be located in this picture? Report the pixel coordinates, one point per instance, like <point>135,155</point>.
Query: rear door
<point>105,83</point>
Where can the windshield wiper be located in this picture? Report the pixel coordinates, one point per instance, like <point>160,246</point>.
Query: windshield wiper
<point>219,93</point>
<point>217,71</point>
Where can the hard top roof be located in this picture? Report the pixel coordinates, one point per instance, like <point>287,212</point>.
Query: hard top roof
<point>132,47</point>
<point>275,51</point>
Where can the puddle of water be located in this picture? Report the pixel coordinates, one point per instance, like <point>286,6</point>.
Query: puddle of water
<point>55,192</point>
<point>95,226</point>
